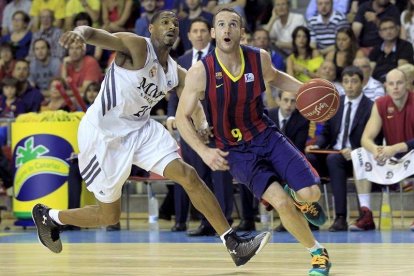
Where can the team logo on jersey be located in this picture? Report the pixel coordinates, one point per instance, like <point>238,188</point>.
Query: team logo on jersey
<point>249,77</point>
<point>219,75</point>
<point>153,71</point>
<point>150,91</point>
<point>390,112</point>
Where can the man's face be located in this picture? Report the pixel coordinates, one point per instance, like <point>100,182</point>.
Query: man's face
<point>324,7</point>
<point>193,4</point>
<point>388,31</point>
<point>227,31</point>
<point>363,64</point>
<point>287,103</point>
<point>281,7</point>
<point>261,39</point>
<point>41,51</point>
<point>352,86</point>
<point>149,5</point>
<point>21,71</point>
<point>396,85</point>
<point>46,19</point>
<point>199,35</point>
<point>165,29</point>
<point>327,71</point>
<point>76,51</point>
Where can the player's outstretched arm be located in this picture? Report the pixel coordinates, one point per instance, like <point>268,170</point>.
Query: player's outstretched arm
<point>192,93</point>
<point>277,78</point>
<point>97,37</point>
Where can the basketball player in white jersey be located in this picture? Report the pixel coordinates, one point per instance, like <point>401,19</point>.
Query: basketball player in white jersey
<point>117,132</point>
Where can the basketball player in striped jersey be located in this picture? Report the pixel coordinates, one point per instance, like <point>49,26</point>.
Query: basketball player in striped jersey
<point>117,131</point>
<point>231,81</point>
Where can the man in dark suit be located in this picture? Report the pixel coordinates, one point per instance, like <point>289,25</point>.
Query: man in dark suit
<point>219,182</point>
<point>343,133</point>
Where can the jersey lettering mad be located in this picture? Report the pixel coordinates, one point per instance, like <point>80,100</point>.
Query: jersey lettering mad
<point>126,97</point>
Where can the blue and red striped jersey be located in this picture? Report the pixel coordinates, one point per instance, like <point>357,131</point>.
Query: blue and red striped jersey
<point>234,104</point>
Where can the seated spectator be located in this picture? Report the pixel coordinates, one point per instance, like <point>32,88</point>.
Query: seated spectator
<point>7,60</point>
<point>49,33</point>
<point>31,96</point>
<point>91,92</point>
<point>392,114</point>
<point>43,67</point>
<point>281,25</point>
<point>365,25</point>
<point>115,14</point>
<point>10,106</point>
<point>342,133</point>
<point>195,10</point>
<point>324,26</point>
<point>341,6</point>
<point>83,19</point>
<point>73,7</point>
<point>408,70</point>
<point>372,88</point>
<point>12,7</point>
<point>393,52</point>
<point>304,61</point>
<point>57,6</point>
<point>346,50</point>
<point>213,6</point>
<point>55,101</point>
<point>141,24</point>
<point>327,71</point>
<point>20,37</point>
<point>78,69</point>
<point>261,40</point>
<point>407,23</point>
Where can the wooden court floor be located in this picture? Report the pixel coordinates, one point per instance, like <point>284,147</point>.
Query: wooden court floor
<point>199,259</point>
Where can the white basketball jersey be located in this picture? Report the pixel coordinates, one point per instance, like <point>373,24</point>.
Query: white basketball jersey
<point>127,96</point>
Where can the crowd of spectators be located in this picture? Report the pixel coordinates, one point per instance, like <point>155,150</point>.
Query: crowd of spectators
<point>373,36</point>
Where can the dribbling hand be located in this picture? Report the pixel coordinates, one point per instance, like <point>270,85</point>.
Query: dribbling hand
<point>215,159</point>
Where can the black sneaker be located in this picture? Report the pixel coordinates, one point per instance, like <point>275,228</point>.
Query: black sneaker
<point>242,249</point>
<point>47,230</point>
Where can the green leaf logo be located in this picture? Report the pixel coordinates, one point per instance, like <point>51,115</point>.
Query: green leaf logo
<point>28,152</point>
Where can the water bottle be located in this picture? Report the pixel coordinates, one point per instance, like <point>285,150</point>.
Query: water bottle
<point>152,210</point>
<point>386,215</point>
<point>266,218</point>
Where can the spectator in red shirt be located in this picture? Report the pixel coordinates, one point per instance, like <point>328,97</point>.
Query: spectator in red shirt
<point>79,70</point>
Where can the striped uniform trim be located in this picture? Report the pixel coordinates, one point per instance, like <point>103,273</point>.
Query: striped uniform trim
<point>91,171</point>
<point>325,34</point>
<point>108,98</point>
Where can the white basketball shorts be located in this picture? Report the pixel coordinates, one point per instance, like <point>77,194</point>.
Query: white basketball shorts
<point>105,162</point>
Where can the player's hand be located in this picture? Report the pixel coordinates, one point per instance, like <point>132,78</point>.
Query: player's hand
<point>386,153</point>
<point>346,153</point>
<point>171,125</point>
<point>69,37</point>
<point>311,147</point>
<point>215,159</point>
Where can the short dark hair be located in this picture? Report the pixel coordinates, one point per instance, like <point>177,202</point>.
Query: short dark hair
<point>82,16</point>
<point>388,19</point>
<point>42,39</point>
<point>351,71</point>
<point>200,20</point>
<point>9,81</point>
<point>229,10</point>
<point>158,14</point>
<point>26,17</point>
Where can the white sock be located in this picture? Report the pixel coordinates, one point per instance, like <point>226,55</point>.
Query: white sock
<point>365,200</point>
<point>315,247</point>
<point>54,214</point>
<point>224,234</point>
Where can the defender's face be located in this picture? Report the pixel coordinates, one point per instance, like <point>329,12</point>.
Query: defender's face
<point>227,31</point>
<point>165,29</point>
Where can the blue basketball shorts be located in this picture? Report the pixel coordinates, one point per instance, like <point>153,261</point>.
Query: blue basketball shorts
<point>270,157</point>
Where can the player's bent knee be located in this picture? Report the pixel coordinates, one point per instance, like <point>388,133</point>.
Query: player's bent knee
<point>310,194</point>
<point>284,205</point>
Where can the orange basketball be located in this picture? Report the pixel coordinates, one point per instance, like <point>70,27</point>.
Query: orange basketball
<point>317,100</point>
